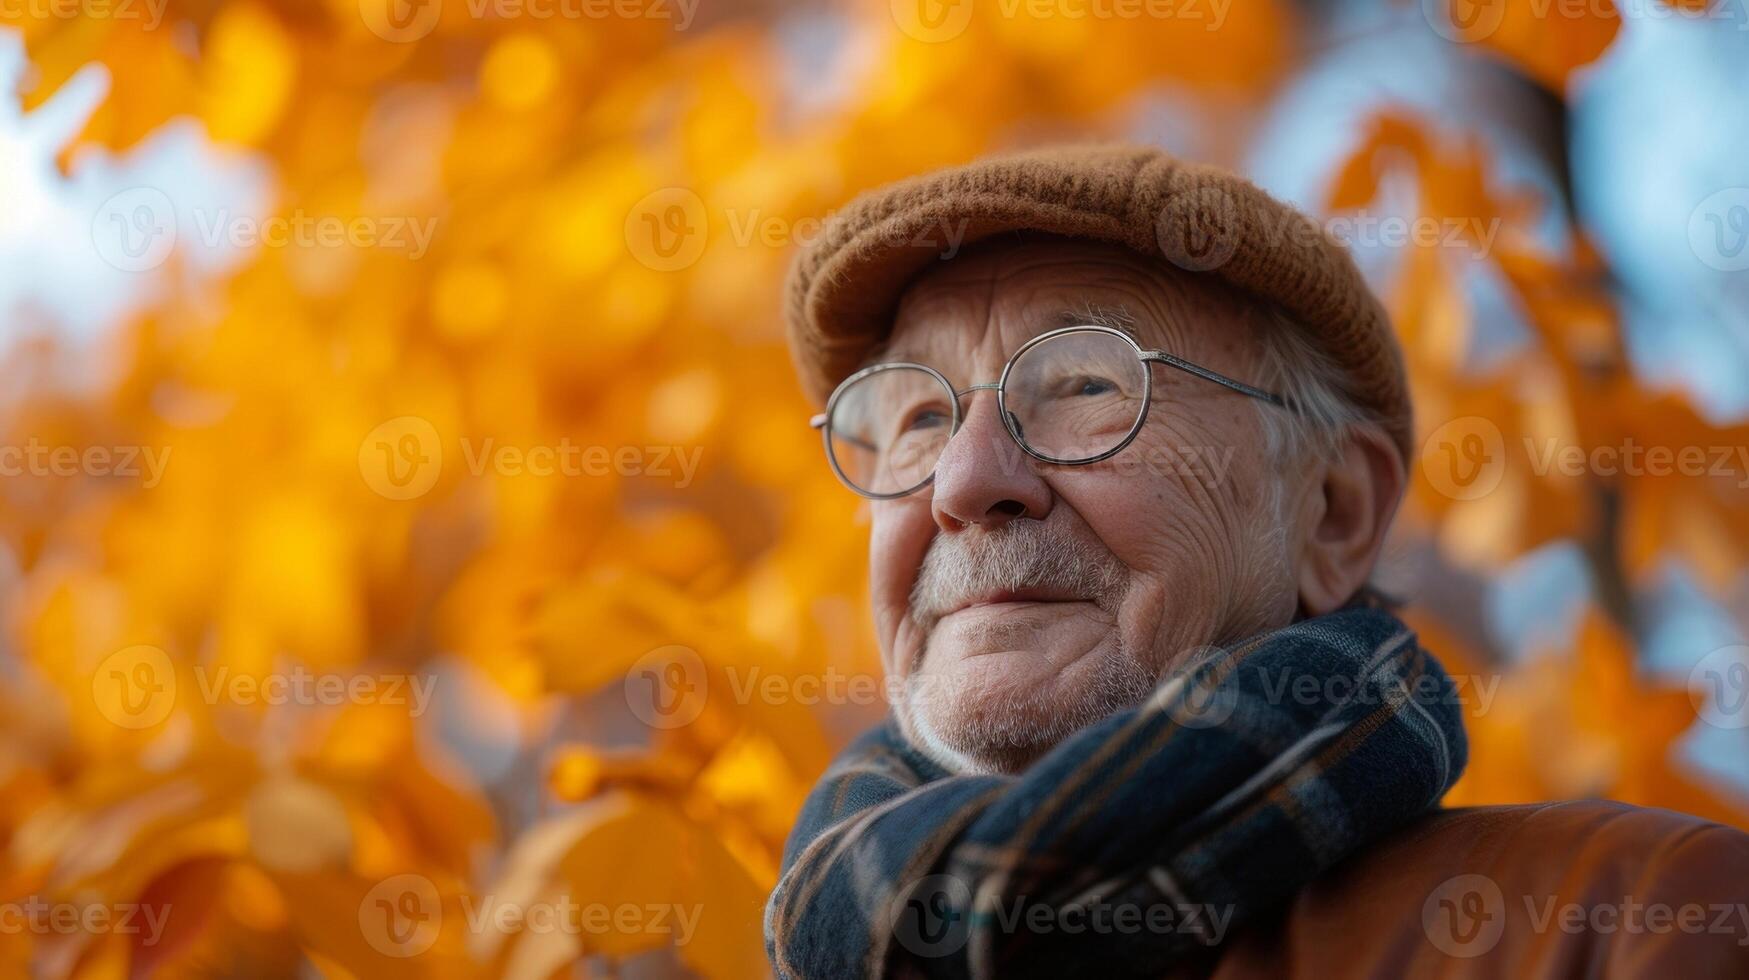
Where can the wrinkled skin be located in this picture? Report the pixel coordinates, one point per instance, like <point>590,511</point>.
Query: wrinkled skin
<point>1192,536</point>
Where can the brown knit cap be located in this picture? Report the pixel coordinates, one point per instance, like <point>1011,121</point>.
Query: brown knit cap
<point>844,286</point>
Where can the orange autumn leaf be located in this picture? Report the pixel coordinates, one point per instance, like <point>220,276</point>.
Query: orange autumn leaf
<point>1548,40</point>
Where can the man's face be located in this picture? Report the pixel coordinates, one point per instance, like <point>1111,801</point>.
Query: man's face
<point>1022,601</point>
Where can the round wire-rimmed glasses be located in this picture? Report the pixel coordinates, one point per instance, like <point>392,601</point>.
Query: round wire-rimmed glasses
<point>1071,396</point>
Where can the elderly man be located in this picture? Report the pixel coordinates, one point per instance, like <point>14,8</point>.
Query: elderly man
<point>1133,434</point>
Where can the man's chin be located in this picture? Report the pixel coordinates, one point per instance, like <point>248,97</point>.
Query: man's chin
<point>959,749</point>
<point>1000,710</point>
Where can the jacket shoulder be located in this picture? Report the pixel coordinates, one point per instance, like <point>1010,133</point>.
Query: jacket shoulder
<point>1592,888</point>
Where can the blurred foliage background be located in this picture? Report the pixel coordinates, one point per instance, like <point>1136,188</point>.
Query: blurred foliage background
<point>408,511</point>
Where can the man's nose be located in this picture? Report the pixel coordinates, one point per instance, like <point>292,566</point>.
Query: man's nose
<point>984,477</point>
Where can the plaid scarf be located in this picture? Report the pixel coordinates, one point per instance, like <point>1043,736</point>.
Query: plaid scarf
<point>1140,838</point>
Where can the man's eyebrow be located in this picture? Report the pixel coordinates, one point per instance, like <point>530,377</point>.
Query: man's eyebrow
<point>1115,318</point>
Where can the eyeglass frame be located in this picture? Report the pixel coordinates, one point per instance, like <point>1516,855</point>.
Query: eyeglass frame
<point>822,420</point>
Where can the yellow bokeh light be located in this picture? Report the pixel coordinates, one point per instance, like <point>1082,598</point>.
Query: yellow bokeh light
<point>520,71</point>
<point>470,300</point>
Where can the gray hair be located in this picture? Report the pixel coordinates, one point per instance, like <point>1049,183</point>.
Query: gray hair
<point>1325,412</point>
<point>1325,415</point>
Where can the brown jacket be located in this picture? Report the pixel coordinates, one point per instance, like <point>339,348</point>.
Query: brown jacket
<point>1581,889</point>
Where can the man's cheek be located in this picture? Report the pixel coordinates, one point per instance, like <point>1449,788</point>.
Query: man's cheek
<point>1131,525</point>
<point>899,537</point>
<point>895,552</point>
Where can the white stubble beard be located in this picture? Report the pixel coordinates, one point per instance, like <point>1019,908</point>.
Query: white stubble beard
<point>948,724</point>
<point>973,731</point>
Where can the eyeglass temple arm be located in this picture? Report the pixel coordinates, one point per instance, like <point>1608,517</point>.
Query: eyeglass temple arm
<point>819,422</point>
<point>1220,379</point>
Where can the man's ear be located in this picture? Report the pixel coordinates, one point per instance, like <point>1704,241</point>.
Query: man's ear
<point>1346,515</point>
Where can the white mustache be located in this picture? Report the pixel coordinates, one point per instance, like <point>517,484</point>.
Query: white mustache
<point>1022,555</point>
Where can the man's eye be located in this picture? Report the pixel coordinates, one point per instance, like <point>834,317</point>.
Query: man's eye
<point>925,418</point>
<point>1086,385</point>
